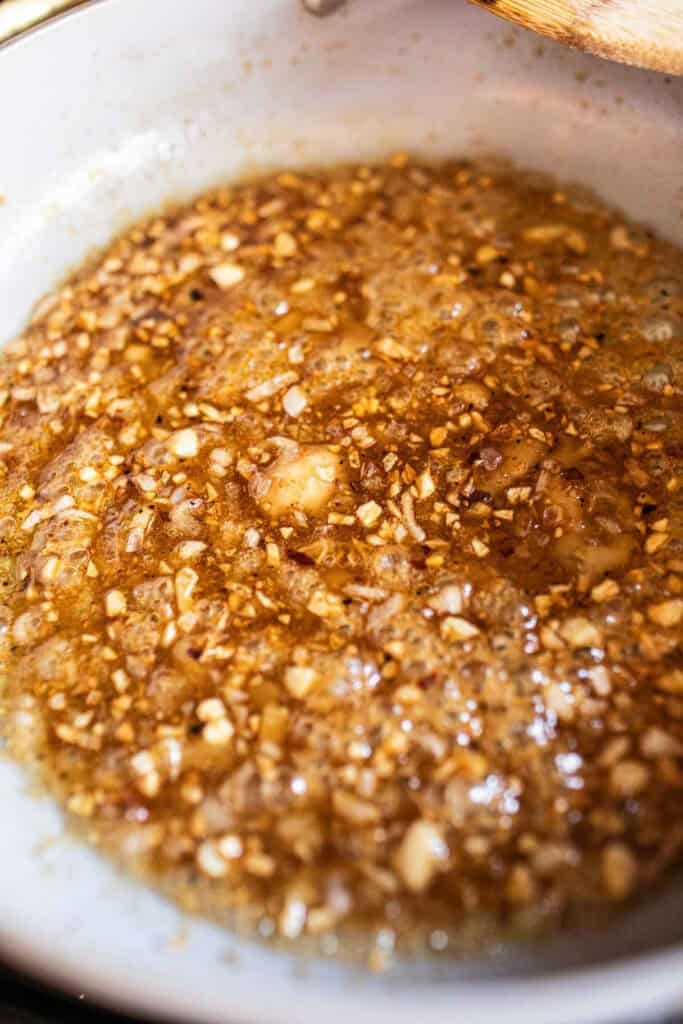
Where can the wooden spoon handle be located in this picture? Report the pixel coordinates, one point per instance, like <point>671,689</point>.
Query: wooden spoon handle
<point>648,33</point>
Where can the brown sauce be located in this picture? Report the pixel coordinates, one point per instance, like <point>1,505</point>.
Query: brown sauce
<point>342,553</point>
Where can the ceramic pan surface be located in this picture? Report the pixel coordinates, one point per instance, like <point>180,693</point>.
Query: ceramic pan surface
<point>116,108</point>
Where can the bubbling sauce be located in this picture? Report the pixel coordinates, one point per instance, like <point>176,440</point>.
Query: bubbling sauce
<point>342,553</point>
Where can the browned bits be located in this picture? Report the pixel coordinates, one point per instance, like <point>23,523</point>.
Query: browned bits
<point>342,554</point>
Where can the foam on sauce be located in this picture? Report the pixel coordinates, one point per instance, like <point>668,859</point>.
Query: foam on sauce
<point>342,553</point>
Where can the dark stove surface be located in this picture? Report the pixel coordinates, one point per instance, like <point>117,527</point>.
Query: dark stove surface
<point>25,1002</point>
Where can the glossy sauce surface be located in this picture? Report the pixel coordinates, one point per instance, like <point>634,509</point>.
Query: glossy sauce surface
<point>342,554</point>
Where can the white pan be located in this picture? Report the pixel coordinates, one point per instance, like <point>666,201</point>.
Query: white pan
<point>107,112</point>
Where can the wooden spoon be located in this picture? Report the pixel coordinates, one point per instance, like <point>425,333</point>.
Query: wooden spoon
<point>648,33</point>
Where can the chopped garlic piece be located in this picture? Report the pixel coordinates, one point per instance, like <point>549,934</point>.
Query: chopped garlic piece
<point>115,604</point>
<point>304,479</point>
<point>299,679</point>
<point>227,275</point>
<point>294,401</point>
<point>419,855</point>
<point>184,443</point>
